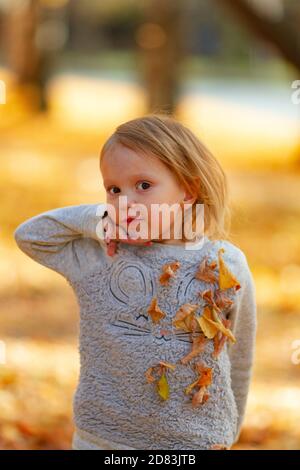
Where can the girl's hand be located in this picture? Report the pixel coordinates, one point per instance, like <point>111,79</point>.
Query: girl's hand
<point>112,243</point>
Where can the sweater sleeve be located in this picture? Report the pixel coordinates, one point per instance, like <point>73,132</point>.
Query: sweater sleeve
<point>243,315</point>
<point>65,239</point>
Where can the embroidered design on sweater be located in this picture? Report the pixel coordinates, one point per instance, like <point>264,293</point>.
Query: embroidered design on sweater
<point>131,285</point>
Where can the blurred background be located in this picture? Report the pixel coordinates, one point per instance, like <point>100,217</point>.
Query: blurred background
<point>71,72</point>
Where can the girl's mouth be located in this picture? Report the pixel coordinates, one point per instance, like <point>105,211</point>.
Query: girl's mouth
<point>130,219</point>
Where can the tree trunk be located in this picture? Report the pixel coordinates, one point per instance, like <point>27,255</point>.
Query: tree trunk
<point>282,33</point>
<point>160,40</point>
<point>22,53</point>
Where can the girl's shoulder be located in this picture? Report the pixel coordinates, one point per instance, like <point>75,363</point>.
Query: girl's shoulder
<point>228,249</point>
<point>229,257</point>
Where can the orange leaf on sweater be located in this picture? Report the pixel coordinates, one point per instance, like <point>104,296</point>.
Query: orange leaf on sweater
<point>185,318</point>
<point>206,271</point>
<point>208,296</point>
<point>221,300</point>
<point>220,339</point>
<point>155,312</point>
<point>204,380</point>
<point>169,271</point>
<point>197,347</point>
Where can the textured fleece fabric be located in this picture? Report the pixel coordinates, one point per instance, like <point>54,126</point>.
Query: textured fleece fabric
<point>118,341</point>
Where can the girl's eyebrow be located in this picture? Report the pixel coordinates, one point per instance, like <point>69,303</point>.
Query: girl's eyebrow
<point>133,177</point>
<point>141,176</point>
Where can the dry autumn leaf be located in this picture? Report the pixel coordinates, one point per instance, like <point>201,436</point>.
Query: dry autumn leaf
<point>204,380</point>
<point>210,323</point>
<point>221,300</point>
<point>162,385</point>
<point>155,312</point>
<point>169,271</point>
<point>197,347</point>
<point>220,339</point>
<point>167,364</point>
<point>206,271</point>
<point>206,324</point>
<point>208,296</point>
<point>226,278</point>
<point>185,318</point>
<point>200,397</point>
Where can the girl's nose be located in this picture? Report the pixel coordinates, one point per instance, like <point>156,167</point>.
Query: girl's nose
<point>131,205</point>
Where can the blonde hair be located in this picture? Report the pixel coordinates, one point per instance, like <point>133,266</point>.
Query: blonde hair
<point>188,158</point>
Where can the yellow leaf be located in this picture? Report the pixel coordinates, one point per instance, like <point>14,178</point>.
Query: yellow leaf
<point>210,326</point>
<point>163,387</point>
<point>206,324</point>
<point>226,278</point>
<point>218,322</point>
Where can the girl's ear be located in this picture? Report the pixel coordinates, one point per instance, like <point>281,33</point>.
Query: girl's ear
<point>189,198</point>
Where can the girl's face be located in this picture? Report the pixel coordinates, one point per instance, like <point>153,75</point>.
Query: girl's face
<point>144,180</point>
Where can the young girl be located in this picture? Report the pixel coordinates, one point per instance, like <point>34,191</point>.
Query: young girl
<point>167,328</point>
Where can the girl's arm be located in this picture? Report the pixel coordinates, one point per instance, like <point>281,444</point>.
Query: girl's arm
<point>59,237</point>
<point>243,317</point>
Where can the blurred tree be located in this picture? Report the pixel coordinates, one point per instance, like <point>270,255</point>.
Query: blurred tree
<point>160,39</point>
<point>21,51</point>
<point>274,21</point>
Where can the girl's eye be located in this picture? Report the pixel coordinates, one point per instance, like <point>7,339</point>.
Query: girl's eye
<point>144,185</point>
<point>109,190</point>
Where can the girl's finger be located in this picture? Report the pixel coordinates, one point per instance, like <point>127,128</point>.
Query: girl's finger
<point>111,248</point>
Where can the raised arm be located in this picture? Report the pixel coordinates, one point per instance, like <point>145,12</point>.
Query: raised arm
<point>243,317</point>
<point>57,238</point>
